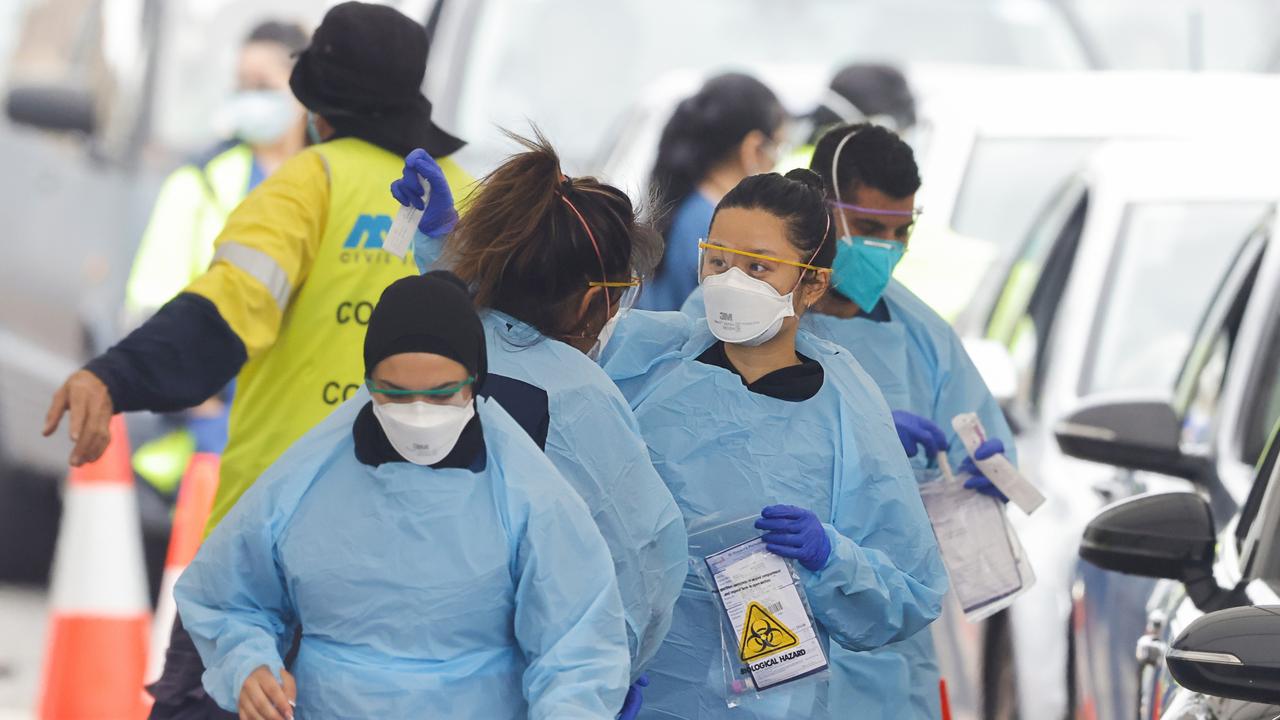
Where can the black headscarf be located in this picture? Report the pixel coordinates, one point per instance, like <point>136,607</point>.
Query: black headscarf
<point>429,313</point>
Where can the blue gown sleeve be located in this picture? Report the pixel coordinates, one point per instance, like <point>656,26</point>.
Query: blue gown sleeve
<point>642,343</point>
<point>885,579</point>
<point>233,598</point>
<point>427,251</point>
<point>595,443</point>
<point>569,619</point>
<point>960,389</point>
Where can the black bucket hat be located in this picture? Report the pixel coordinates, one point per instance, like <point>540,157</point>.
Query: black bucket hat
<point>363,73</point>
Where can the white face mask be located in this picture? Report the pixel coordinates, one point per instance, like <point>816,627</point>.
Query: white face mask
<point>421,432</point>
<point>602,339</point>
<point>743,310</point>
<point>260,116</point>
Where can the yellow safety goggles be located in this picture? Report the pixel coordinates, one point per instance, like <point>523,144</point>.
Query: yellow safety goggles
<point>704,246</point>
<point>629,295</point>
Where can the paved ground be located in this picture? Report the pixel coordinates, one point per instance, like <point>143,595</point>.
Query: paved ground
<point>22,637</point>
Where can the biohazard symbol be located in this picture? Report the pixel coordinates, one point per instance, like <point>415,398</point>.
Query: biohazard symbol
<point>763,634</point>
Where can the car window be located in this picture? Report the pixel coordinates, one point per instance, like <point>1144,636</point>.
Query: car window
<point>1169,260</point>
<point>1001,194</point>
<point>1268,471</point>
<point>1024,315</point>
<point>1199,385</point>
<point>1265,410</point>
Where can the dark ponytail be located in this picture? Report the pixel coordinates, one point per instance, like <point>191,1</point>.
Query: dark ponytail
<point>798,200</point>
<point>703,130</point>
<point>523,249</point>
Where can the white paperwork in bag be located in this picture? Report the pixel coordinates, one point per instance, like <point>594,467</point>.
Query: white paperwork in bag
<point>984,559</point>
<point>776,636</point>
<point>405,224</point>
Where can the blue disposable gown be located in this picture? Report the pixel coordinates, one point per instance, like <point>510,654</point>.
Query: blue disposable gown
<point>450,593</point>
<point>724,449</point>
<point>593,440</point>
<point>920,366</point>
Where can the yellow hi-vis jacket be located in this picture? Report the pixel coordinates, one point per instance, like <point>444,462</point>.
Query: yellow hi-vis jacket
<point>296,272</point>
<point>192,206</point>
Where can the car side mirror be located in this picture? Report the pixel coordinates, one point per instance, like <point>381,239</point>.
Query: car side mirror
<point>1162,535</point>
<point>53,107</point>
<point>996,367</point>
<point>1166,535</point>
<point>1133,434</point>
<point>1231,653</point>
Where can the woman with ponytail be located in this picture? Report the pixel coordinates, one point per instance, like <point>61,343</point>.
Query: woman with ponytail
<point>730,129</point>
<point>747,415</point>
<point>551,263</point>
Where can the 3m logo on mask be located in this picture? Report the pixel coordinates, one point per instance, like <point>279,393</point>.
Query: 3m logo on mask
<point>366,235</point>
<point>726,317</point>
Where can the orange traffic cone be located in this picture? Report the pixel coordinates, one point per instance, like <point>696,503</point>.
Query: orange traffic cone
<point>99,615</point>
<point>195,503</point>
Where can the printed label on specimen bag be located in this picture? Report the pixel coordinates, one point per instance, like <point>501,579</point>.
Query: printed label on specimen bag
<point>776,636</point>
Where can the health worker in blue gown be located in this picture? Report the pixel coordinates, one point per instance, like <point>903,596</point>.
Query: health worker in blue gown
<point>745,415</point>
<point>433,557</point>
<point>916,359</point>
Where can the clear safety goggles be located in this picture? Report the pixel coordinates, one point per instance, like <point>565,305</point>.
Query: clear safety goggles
<point>630,292</point>
<point>709,251</point>
<point>913,213</point>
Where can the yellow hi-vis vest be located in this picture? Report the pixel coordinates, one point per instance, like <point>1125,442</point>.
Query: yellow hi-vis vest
<point>176,248</point>
<point>296,273</point>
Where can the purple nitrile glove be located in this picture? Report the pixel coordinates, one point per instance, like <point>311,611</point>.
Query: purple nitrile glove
<point>980,482</point>
<point>795,533</point>
<point>635,699</point>
<point>439,215</point>
<point>914,431</point>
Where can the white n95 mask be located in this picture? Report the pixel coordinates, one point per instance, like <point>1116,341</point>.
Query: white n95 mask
<point>421,432</point>
<point>743,310</point>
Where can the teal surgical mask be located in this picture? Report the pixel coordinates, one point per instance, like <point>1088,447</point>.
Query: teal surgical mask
<point>862,268</point>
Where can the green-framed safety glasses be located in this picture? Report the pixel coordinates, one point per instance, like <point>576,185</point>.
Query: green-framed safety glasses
<point>435,392</point>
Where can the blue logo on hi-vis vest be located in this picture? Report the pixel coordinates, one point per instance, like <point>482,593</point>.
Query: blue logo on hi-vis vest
<point>368,232</point>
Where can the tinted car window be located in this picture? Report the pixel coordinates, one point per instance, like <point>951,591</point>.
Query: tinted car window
<point>1024,315</point>
<point>1168,262</point>
<point>1265,412</point>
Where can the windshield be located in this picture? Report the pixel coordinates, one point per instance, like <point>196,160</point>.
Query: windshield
<point>573,66</point>
<point>1002,193</point>
<point>1168,262</point>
